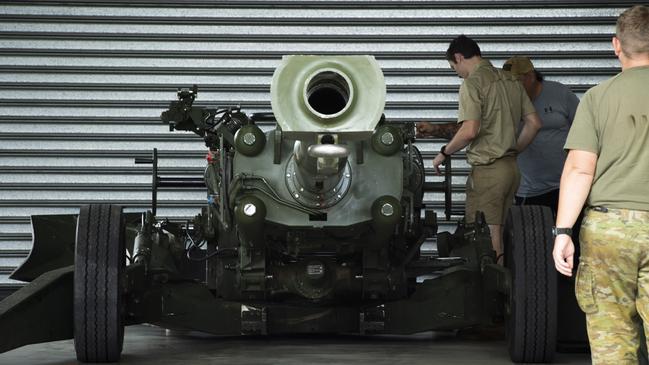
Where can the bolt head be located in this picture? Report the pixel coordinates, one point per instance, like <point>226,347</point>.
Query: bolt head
<point>249,138</point>
<point>387,138</point>
<point>249,209</point>
<point>387,209</point>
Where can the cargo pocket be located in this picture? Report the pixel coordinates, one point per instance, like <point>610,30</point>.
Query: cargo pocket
<point>584,289</point>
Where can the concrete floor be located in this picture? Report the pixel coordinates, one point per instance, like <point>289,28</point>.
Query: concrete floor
<point>153,345</point>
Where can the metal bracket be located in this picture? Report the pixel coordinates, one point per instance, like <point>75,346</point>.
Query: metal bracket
<point>154,177</point>
<point>446,187</point>
<point>277,151</point>
<point>158,181</point>
<point>360,158</point>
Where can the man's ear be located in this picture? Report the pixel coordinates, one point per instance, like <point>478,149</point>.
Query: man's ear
<point>617,45</point>
<point>458,57</point>
<point>530,76</point>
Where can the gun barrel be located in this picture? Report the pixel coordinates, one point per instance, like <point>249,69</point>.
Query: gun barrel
<point>343,95</point>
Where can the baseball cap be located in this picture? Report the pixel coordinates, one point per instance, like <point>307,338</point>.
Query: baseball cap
<point>518,65</point>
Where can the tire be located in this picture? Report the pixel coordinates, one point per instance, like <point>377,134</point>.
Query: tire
<point>531,311</point>
<point>98,273</point>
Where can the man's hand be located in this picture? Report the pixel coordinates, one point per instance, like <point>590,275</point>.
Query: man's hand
<point>563,254</point>
<point>439,159</point>
<point>445,131</point>
<point>425,129</point>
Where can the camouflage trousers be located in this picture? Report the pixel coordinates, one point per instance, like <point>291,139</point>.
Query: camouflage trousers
<point>612,285</point>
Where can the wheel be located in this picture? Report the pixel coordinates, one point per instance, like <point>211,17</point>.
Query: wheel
<point>100,261</point>
<point>531,311</point>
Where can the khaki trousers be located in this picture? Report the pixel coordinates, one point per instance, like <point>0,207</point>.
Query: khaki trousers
<point>491,189</point>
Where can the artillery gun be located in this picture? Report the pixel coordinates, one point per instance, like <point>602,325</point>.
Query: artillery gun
<point>314,226</point>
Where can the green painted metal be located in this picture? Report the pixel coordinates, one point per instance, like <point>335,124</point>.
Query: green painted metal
<point>367,182</point>
<point>41,311</point>
<point>185,305</point>
<point>449,302</point>
<point>386,210</point>
<point>250,212</point>
<point>249,140</point>
<point>387,140</point>
<point>52,248</point>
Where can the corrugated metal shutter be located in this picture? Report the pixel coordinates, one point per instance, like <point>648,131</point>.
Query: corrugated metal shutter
<point>82,83</point>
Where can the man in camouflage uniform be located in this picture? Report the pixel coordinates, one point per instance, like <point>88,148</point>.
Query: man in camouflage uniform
<point>608,163</point>
<point>491,104</point>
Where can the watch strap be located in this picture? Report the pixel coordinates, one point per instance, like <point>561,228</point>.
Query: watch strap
<point>561,230</point>
<point>443,151</point>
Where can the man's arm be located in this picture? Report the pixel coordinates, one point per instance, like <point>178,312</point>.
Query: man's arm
<point>446,130</point>
<point>531,125</point>
<point>466,133</point>
<point>576,181</point>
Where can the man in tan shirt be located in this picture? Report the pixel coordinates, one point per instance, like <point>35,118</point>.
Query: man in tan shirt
<point>491,104</point>
<point>608,169</point>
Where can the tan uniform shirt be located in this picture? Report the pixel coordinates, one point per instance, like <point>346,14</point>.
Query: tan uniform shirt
<point>496,99</point>
<point>612,122</point>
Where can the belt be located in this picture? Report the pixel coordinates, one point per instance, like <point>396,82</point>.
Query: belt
<point>599,208</point>
<point>603,209</point>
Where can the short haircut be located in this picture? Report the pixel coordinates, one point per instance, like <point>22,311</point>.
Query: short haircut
<point>632,29</point>
<point>463,45</point>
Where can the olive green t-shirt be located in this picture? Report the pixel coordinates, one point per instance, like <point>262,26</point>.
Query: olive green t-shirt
<point>611,121</point>
<point>496,99</point>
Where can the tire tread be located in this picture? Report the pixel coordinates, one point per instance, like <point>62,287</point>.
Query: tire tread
<point>532,326</point>
<point>99,265</point>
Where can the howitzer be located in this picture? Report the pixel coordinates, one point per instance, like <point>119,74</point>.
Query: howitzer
<point>314,226</point>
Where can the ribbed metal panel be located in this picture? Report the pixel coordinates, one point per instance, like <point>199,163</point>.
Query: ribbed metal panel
<point>82,83</point>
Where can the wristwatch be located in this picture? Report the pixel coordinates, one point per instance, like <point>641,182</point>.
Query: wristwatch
<point>557,231</point>
<point>443,151</point>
